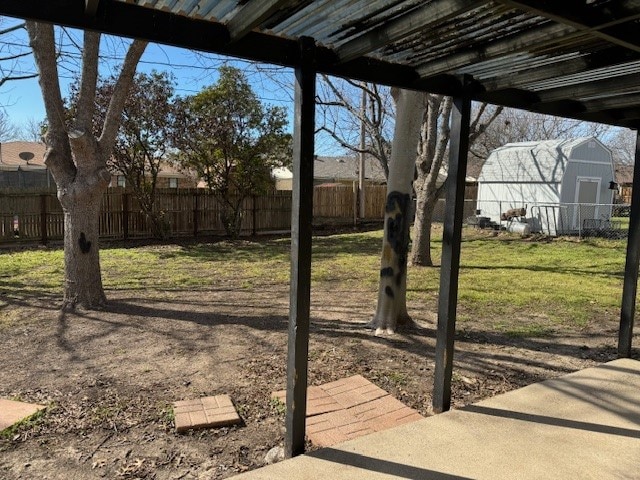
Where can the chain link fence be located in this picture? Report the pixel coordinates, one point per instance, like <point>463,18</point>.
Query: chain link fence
<point>582,220</point>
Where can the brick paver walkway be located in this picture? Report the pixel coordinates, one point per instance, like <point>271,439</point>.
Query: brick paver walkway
<point>12,412</point>
<point>349,408</point>
<point>217,411</point>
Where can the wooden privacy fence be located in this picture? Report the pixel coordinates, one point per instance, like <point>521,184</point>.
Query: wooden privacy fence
<point>38,217</point>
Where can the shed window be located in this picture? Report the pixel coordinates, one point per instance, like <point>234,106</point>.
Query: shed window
<point>173,183</point>
<point>121,182</point>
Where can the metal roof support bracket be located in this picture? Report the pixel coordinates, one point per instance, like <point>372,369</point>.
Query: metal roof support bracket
<point>630,285</point>
<point>450,263</point>
<point>301,216</point>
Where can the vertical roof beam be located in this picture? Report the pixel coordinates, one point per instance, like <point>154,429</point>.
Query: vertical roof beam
<point>301,217</point>
<point>451,242</point>
<point>630,285</point>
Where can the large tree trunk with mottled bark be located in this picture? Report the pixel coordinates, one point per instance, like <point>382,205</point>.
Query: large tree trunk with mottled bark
<point>392,310</point>
<point>77,160</point>
<point>83,282</point>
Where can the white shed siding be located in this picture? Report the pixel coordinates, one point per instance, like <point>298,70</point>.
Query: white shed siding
<point>544,177</point>
<point>591,150</point>
<point>523,163</point>
<point>577,169</point>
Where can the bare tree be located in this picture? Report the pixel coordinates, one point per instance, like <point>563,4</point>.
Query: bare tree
<point>623,145</point>
<point>8,131</point>
<point>77,159</point>
<point>12,68</point>
<point>522,126</point>
<point>422,126</point>
<point>391,309</point>
<point>12,54</point>
<point>342,117</point>
<point>33,130</point>
<point>431,177</point>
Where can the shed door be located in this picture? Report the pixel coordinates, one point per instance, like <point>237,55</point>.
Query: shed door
<point>587,196</point>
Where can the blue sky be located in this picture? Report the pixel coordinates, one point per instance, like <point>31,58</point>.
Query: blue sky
<point>22,99</point>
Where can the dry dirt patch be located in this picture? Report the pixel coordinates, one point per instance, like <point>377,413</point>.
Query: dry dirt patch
<point>110,376</point>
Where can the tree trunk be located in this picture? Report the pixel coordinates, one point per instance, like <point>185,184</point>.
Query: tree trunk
<point>429,165</point>
<point>83,281</point>
<point>391,310</point>
<point>421,247</point>
<point>231,218</point>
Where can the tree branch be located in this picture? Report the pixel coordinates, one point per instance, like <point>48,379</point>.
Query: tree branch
<point>13,28</point>
<point>88,82</point>
<point>116,105</point>
<point>19,77</point>
<point>58,155</point>
<point>15,57</point>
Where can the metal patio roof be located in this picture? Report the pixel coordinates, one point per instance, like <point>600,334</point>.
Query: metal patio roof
<point>573,58</point>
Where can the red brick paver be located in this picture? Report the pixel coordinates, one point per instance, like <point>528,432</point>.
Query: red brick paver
<point>349,408</point>
<point>12,412</point>
<point>217,411</point>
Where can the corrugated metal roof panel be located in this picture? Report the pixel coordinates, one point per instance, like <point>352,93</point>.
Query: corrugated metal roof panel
<point>544,54</point>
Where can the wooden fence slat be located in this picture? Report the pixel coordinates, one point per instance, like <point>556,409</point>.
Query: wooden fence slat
<point>121,216</point>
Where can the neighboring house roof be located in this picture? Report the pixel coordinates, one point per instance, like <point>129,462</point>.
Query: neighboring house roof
<point>344,168</point>
<point>544,160</point>
<point>347,169</point>
<point>22,155</point>
<point>337,169</point>
<point>168,170</point>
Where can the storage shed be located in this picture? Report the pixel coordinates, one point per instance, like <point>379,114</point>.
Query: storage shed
<point>565,185</point>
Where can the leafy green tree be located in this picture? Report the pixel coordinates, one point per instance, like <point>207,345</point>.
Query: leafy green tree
<point>143,139</point>
<point>231,141</point>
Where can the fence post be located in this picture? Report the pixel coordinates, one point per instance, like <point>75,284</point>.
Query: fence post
<point>125,216</point>
<point>357,207</point>
<point>579,221</point>
<point>254,212</point>
<point>196,212</point>
<point>43,218</point>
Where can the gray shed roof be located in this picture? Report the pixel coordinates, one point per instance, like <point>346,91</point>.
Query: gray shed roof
<point>544,161</point>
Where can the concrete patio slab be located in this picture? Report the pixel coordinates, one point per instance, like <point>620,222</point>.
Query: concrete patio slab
<point>349,408</point>
<point>11,412</point>
<point>583,425</point>
<point>206,412</point>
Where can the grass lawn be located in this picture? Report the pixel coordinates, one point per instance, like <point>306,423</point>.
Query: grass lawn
<point>512,285</point>
<point>190,319</point>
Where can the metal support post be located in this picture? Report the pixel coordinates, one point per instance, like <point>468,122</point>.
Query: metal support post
<point>450,262</point>
<point>630,286</point>
<point>301,217</point>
